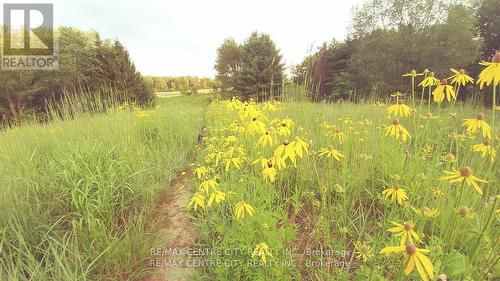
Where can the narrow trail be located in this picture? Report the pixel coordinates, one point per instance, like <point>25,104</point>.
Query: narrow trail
<point>175,235</point>
<point>170,253</point>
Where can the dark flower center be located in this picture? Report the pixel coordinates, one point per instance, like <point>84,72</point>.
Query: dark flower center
<point>466,171</point>
<point>365,249</point>
<point>407,226</point>
<point>411,249</point>
<point>496,57</point>
<point>395,122</point>
<point>463,211</point>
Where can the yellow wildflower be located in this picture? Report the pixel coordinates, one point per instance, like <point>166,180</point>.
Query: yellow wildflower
<point>284,126</point>
<point>397,131</point>
<point>363,251</point>
<point>241,208</point>
<point>233,161</point>
<point>460,77</point>
<point>255,126</point>
<point>485,148</point>
<point>201,171</point>
<point>208,184</point>
<point>198,200</point>
<point>406,232</point>
<point>285,150</point>
<point>399,109</point>
<point>426,212</point>
<point>430,80</point>
<point>261,250</point>
<point>397,95</point>
<point>266,139</point>
<point>466,173</point>
<point>217,196</point>
<point>412,73</point>
<point>339,136</point>
<point>230,140</point>
<point>491,74</point>
<point>330,152</point>
<point>442,90</point>
<point>473,125</point>
<point>269,172</point>
<point>416,258</point>
<point>301,147</point>
<point>142,114</point>
<point>396,193</point>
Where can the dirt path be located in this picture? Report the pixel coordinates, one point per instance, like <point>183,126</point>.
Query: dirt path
<point>169,258</point>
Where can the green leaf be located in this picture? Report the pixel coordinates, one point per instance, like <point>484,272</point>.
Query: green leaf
<point>455,265</point>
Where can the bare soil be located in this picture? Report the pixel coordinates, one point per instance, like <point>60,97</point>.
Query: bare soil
<point>169,258</point>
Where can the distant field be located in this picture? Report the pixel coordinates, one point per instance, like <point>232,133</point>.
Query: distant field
<point>179,93</point>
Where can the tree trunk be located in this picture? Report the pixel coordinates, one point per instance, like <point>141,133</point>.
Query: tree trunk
<point>12,106</point>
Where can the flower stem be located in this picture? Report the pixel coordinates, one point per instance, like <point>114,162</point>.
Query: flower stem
<point>456,97</point>
<point>429,100</point>
<point>413,91</point>
<point>422,98</point>
<point>420,108</point>
<point>457,205</point>
<point>494,102</point>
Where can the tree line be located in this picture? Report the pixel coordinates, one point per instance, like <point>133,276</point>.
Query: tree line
<point>180,83</point>
<point>386,39</point>
<point>87,65</point>
<point>389,38</point>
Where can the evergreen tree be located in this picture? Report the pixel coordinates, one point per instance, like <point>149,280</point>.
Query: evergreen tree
<point>253,68</point>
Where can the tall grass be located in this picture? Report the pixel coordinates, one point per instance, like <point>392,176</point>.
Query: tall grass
<point>76,195</point>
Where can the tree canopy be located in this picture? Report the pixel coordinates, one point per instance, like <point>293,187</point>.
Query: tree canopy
<point>253,68</point>
<point>389,38</point>
<point>488,23</point>
<point>87,64</point>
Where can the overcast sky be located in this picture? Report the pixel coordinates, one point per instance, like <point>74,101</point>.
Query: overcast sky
<point>180,37</point>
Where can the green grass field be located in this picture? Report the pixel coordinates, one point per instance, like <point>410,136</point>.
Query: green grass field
<point>305,201</point>
<point>76,195</point>
<point>179,93</point>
